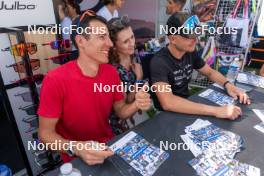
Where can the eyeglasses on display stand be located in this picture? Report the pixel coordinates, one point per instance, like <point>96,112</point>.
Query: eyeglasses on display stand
<point>21,96</point>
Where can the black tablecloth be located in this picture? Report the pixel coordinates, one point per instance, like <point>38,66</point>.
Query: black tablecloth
<point>168,126</point>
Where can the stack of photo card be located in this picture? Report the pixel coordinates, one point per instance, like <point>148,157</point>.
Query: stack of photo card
<point>203,135</point>
<point>209,164</point>
<point>139,153</point>
<point>251,79</point>
<point>260,114</point>
<point>215,149</point>
<point>217,97</point>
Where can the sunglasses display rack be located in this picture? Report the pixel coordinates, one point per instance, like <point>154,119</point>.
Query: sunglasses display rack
<point>20,97</point>
<point>250,10</point>
<point>230,45</point>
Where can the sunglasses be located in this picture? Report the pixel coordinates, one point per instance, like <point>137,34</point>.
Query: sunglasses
<point>58,44</point>
<point>42,154</point>
<point>34,124</point>
<point>33,121</point>
<point>190,24</point>
<point>120,22</point>
<point>43,163</point>
<point>29,80</point>
<point>20,68</point>
<point>87,13</point>
<point>26,96</point>
<point>60,59</point>
<point>30,109</point>
<point>21,48</point>
<point>30,129</point>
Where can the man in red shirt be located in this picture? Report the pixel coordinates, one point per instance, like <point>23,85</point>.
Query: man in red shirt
<point>71,106</point>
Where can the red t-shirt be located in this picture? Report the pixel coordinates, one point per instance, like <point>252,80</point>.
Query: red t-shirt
<point>83,114</point>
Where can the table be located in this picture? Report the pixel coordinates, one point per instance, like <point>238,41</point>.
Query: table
<point>168,126</point>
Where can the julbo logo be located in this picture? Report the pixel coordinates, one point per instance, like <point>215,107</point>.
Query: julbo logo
<point>17,6</point>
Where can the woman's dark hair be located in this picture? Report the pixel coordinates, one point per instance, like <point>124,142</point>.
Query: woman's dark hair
<point>74,4</point>
<point>106,2</point>
<point>115,25</point>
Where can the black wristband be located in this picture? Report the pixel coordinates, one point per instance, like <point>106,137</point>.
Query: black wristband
<point>70,152</point>
<point>226,84</point>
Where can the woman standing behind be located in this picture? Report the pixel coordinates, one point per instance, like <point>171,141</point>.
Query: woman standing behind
<point>109,10</point>
<point>122,57</point>
<point>74,11</point>
<point>69,12</point>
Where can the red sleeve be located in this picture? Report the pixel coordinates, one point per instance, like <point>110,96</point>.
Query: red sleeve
<point>51,98</point>
<point>118,95</point>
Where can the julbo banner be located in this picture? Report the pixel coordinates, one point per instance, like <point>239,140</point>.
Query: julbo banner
<point>15,13</point>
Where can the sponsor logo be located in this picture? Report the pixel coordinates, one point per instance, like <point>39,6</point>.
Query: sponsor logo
<point>16,6</point>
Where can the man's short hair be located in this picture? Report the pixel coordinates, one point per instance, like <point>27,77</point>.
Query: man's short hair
<point>86,21</point>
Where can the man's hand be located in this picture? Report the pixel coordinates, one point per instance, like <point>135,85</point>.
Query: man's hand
<point>92,152</point>
<point>228,112</point>
<point>142,98</point>
<point>236,93</point>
